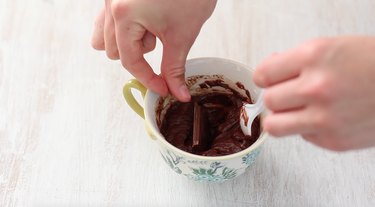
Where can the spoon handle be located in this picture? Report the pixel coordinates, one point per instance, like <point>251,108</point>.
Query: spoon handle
<point>259,104</point>
<point>255,110</point>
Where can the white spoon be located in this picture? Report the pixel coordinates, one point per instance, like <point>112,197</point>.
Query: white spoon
<point>249,112</point>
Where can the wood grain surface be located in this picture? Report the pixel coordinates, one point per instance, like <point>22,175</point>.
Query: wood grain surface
<point>67,138</point>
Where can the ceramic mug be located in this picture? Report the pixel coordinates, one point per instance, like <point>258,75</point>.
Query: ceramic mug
<point>197,167</point>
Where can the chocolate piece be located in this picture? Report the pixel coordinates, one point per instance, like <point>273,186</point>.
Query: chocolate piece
<point>199,128</point>
<point>244,116</point>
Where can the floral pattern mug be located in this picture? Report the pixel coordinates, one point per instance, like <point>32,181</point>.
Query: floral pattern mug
<point>197,167</point>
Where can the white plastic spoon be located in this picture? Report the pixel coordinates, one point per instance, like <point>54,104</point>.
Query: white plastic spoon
<point>249,112</point>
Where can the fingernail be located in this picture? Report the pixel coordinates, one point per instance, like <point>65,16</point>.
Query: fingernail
<point>184,92</point>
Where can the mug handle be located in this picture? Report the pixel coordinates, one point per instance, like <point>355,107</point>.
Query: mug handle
<point>129,97</point>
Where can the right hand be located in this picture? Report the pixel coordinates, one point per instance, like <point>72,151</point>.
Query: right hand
<point>324,90</point>
<point>127,29</point>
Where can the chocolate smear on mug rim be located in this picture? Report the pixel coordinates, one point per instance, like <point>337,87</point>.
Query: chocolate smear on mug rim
<point>209,124</point>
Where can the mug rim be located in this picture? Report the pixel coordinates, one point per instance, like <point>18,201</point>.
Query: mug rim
<point>155,131</point>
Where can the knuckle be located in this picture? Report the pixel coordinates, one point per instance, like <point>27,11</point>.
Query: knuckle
<point>113,55</point>
<point>119,9</point>
<point>320,121</point>
<point>97,45</point>
<point>261,79</point>
<point>262,75</point>
<point>324,122</point>
<point>131,64</point>
<point>271,128</point>
<point>174,72</point>
<point>315,48</point>
<point>268,101</point>
<point>318,88</point>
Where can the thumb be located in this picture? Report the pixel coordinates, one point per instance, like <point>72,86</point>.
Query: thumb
<point>173,70</point>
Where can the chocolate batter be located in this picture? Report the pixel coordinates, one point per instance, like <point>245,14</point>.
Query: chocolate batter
<point>209,124</point>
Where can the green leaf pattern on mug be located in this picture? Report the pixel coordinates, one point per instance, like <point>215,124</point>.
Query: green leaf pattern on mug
<point>198,162</point>
<point>212,174</point>
<point>206,171</point>
<point>249,158</point>
<point>173,160</point>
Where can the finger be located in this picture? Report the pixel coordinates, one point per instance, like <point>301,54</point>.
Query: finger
<point>173,70</point>
<point>319,141</point>
<point>284,96</point>
<point>129,39</point>
<point>331,143</point>
<point>288,123</point>
<point>281,67</point>
<point>110,33</point>
<point>149,42</point>
<point>97,40</point>
<point>312,138</point>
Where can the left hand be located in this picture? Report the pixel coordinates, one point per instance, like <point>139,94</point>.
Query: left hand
<point>127,29</point>
<point>324,90</point>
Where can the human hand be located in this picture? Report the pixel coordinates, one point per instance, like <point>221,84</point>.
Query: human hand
<point>127,29</point>
<point>323,90</point>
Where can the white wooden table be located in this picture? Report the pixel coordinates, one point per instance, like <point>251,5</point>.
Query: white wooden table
<point>67,138</point>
